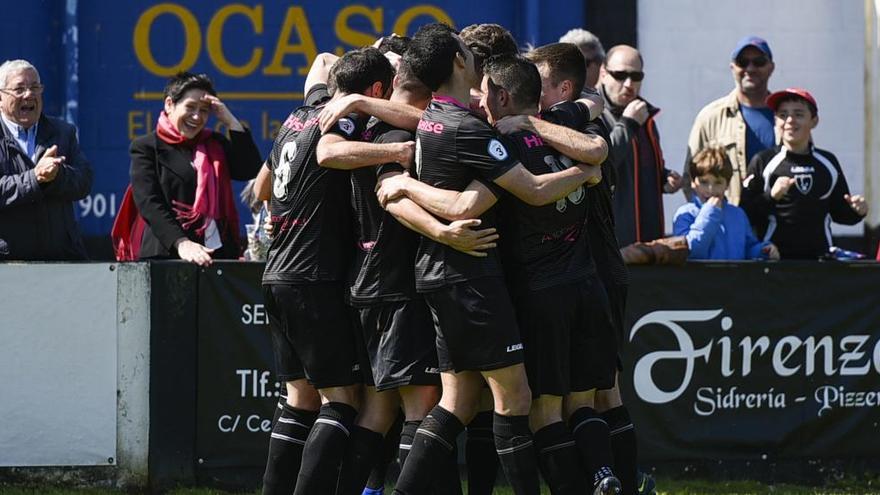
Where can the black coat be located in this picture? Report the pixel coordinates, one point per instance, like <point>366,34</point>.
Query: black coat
<point>162,172</point>
<point>37,220</point>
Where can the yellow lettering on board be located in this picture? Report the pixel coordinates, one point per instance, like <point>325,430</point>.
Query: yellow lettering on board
<point>141,39</point>
<point>348,35</point>
<point>401,26</point>
<point>215,39</point>
<point>295,19</point>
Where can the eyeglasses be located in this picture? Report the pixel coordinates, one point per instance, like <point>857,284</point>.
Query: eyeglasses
<point>623,75</point>
<point>759,61</point>
<point>20,91</point>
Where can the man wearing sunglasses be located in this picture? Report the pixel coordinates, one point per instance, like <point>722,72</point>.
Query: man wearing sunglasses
<point>635,151</point>
<point>42,172</point>
<point>739,122</point>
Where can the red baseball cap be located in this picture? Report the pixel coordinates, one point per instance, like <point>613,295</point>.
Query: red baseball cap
<point>773,100</point>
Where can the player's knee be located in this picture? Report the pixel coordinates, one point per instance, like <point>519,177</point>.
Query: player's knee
<point>301,395</point>
<point>418,401</point>
<point>545,410</point>
<point>349,394</point>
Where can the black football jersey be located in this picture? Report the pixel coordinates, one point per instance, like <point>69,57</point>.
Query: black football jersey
<point>454,146</point>
<point>385,250</point>
<point>543,246</point>
<point>310,208</point>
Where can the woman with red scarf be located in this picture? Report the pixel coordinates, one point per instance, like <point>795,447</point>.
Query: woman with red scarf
<point>181,176</point>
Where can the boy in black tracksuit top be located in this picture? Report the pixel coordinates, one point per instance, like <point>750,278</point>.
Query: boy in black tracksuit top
<point>793,191</point>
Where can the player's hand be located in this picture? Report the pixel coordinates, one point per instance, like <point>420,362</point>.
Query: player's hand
<point>673,182</point>
<point>781,187</point>
<point>337,109</point>
<point>268,226</point>
<point>771,251</point>
<point>637,110</point>
<point>194,252</point>
<point>514,123</point>
<point>392,188</point>
<point>462,236</point>
<point>49,165</point>
<point>594,173</point>
<point>715,201</point>
<point>406,153</point>
<point>857,203</point>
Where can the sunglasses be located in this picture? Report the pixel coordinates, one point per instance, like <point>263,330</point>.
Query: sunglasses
<point>759,61</point>
<point>623,75</point>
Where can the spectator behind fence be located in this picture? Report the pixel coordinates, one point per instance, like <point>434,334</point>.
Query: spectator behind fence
<point>593,51</point>
<point>740,123</point>
<point>793,191</point>
<point>42,172</point>
<point>258,238</point>
<point>714,228</point>
<point>635,149</point>
<point>180,176</point>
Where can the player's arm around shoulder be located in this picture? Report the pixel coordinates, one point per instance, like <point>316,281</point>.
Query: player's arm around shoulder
<point>335,151</point>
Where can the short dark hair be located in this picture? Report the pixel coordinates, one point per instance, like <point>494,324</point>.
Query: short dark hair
<point>182,82</point>
<point>565,62</point>
<point>711,161</point>
<point>793,97</point>
<point>396,44</point>
<point>358,69</point>
<point>496,38</point>
<point>516,75</point>
<point>407,81</point>
<point>431,54</point>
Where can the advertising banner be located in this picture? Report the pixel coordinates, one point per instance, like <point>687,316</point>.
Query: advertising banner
<point>237,392</point>
<point>754,361</point>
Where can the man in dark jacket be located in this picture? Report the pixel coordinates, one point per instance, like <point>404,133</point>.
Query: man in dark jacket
<point>635,151</point>
<point>42,172</point>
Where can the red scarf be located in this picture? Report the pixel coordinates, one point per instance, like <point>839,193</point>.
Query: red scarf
<point>213,185</point>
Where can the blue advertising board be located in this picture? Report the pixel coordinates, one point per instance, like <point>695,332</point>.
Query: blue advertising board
<point>257,53</point>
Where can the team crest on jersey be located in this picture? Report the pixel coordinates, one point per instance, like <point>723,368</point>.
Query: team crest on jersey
<point>804,183</point>
<point>347,126</point>
<point>282,170</point>
<point>497,150</point>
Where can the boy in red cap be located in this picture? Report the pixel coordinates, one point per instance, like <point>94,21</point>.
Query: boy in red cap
<point>792,192</point>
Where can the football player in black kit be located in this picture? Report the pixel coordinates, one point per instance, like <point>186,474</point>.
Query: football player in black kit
<point>561,68</point>
<point>399,362</point>
<point>313,337</point>
<point>454,148</point>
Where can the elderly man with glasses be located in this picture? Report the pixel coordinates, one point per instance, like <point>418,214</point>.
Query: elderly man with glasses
<point>42,172</point>
<point>635,151</point>
<point>740,122</point>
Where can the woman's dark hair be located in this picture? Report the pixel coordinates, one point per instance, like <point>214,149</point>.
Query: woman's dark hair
<point>184,81</point>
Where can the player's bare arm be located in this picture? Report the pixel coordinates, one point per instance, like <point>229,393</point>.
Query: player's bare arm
<point>319,72</point>
<point>451,205</point>
<point>540,190</point>
<point>580,147</point>
<point>263,183</point>
<point>461,235</point>
<point>395,113</point>
<point>335,151</point>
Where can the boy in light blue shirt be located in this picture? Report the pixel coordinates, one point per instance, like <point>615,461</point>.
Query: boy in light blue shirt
<point>714,228</point>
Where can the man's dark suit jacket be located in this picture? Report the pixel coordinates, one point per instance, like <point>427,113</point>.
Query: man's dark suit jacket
<point>37,220</point>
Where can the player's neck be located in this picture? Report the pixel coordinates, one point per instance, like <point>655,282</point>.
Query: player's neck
<point>455,89</point>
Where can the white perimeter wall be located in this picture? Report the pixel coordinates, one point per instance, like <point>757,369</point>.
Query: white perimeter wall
<point>816,44</point>
<point>58,364</point>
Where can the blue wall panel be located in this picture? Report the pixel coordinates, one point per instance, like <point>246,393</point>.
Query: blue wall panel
<point>257,54</point>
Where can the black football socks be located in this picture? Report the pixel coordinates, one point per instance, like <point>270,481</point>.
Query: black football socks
<point>516,453</point>
<point>325,449</point>
<point>289,433</point>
